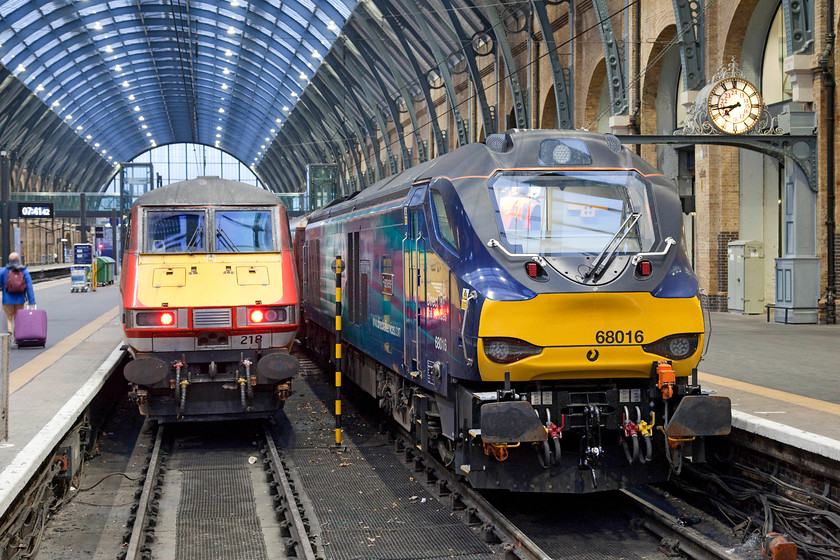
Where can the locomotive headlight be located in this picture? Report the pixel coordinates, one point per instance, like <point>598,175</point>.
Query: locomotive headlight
<point>561,154</point>
<point>564,151</point>
<point>675,347</point>
<point>508,350</point>
<point>257,316</point>
<point>679,346</point>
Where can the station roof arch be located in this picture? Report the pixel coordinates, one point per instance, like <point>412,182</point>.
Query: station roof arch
<point>87,84</point>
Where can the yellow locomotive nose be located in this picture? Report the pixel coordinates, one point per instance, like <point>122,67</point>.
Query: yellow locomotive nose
<point>588,336</point>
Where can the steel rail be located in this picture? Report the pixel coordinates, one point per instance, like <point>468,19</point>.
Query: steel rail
<point>692,543</point>
<point>519,543</point>
<point>134,543</point>
<point>297,527</point>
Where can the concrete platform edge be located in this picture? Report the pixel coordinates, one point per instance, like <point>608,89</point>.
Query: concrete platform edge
<point>794,437</point>
<point>16,474</point>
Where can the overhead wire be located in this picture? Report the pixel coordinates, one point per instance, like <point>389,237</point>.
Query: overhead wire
<point>177,25</point>
<point>506,75</point>
<point>502,76</point>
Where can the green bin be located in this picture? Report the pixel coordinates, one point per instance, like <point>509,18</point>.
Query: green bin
<point>104,270</point>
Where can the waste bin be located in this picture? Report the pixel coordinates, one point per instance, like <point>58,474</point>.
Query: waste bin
<point>104,271</point>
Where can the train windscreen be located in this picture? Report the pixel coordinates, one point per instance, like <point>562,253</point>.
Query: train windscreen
<point>175,232</point>
<point>561,213</point>
<point>246,231</point>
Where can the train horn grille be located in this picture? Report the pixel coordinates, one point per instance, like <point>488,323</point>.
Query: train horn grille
<point>211,318</point>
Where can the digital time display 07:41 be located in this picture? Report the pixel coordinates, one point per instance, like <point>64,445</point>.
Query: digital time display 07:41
<point>35,210</point>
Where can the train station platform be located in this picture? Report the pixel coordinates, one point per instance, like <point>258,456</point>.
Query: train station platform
<point>51,387</point>
<point>782,379</point>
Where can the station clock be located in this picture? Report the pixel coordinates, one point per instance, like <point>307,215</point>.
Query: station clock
<point>734,105</point>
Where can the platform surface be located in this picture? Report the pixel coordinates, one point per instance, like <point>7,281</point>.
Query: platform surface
<point>48,386</point>
<point>782,379</point>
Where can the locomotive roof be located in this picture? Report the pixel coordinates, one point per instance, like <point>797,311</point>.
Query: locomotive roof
<point>204,191</point>
<point>477,159</point>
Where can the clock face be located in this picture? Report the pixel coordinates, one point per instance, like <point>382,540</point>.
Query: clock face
<point>734,105</point>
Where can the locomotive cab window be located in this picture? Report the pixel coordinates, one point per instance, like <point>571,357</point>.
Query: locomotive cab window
<point>175,232</point>
<point>246,231</point>
<point>553,213</point>
<point>443,225</point>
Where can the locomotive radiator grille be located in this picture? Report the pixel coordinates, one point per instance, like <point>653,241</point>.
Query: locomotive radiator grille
<point>211,318</point>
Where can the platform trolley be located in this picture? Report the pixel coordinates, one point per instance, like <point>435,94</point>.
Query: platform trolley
<point>80,278</point>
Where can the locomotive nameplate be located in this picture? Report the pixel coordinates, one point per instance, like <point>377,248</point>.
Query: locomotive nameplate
<point>387,284</point>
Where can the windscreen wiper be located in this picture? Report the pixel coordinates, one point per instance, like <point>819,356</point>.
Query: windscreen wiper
<point>196,236</point>
<point>225,239</point>
<point>609,250</point>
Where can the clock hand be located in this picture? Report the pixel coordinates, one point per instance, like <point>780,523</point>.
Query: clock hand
<point>726,108</point>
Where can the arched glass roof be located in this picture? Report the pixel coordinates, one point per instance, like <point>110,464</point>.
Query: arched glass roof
<point>130,74</point>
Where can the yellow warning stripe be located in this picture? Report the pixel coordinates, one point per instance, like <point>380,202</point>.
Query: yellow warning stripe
<point>25,373</point>
<point>783,396</point>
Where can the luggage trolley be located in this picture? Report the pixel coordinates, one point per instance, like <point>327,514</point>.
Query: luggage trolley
<point>80,278</point>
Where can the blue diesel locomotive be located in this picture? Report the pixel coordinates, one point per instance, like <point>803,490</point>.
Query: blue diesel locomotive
<point>525,308</point>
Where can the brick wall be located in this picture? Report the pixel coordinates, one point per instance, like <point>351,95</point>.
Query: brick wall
<point>724,238</point>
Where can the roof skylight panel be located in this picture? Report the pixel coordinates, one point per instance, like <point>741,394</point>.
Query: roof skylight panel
<point>25,21</point>
<point>114,4</point>
<point>49,7</point>
<point>18,50</point>
<point>7,8</point>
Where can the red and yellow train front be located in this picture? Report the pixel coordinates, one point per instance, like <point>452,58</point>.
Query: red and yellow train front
<point>210,310</point>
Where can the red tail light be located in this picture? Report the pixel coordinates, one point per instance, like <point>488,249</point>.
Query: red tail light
<point>155,319</point>
<point>644,268</point>
<point>266,315</point>
<point>532,270</point>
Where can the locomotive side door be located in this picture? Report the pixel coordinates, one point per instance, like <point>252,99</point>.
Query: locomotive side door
<point>415,245</point>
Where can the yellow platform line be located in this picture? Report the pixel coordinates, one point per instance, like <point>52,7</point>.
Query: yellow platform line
<point>50,283</point>
<point>25,373</point>
<point>807,402</point>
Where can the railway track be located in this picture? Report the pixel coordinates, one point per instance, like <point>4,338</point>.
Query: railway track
<point>309,503</point>
<point>178,447</point>
<point>671,538</point>
<point>513,533</point>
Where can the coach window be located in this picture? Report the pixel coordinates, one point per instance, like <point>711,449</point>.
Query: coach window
<point>443,225</point>
<point>246,231</point>
<point>175,232</point>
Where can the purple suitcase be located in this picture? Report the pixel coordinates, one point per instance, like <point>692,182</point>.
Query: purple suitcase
<point>31,327</point>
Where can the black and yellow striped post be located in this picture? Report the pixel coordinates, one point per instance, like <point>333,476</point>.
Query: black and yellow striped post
<point>338,267</point>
